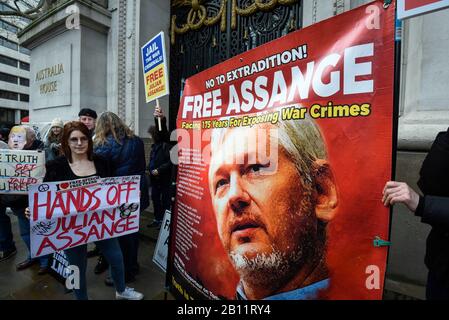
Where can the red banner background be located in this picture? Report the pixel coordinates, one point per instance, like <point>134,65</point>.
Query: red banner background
<point>359,152</point>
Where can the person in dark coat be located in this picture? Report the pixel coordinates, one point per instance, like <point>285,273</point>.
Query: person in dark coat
<point>4,133</point>
<point>115,141</point>
<point>160,169</point>
<point>433,208</point>
<point>53,142</point>
<point>77,162</point>
<point>88,117</point>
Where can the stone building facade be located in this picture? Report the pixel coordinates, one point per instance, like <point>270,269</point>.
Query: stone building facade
<point>103,70</point>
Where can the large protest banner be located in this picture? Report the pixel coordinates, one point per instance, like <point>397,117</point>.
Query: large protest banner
<point>284,153</point>
<point>72,213</point>
<point>19,169</point>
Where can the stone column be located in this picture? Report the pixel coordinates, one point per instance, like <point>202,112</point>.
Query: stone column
<point>68,60</point>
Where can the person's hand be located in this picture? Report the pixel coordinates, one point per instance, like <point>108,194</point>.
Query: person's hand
<point>399,192</point>
<point>155,172</point>
<point>27,213</point>
<point>158,113</point>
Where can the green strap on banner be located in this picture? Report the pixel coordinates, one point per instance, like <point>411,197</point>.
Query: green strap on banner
<point>387,3</point>
<point>378,242</point>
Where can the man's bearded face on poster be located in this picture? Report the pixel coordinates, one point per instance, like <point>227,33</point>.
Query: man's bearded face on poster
<point>265,216</point>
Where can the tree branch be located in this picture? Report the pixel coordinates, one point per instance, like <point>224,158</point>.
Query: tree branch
<point>31,14</point>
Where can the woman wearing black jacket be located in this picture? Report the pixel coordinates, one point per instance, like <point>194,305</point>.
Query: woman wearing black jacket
<point>79,162</point>
<point>160,169</point>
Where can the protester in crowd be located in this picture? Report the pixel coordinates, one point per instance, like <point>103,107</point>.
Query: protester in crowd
<point>433,208</point>
<point>89,118</point>
<point>159,117</point>
<point>7,245</point>
<point>20,138</point>
<point>164,133</point>
<point>114,140</point>
<point>160,169</point>
<point>3,145</point>
<point>78,161</point>
<point>4,133</point>
<point>53,141</point>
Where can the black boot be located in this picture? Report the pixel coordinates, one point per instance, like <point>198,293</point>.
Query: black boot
<point>102,265</point>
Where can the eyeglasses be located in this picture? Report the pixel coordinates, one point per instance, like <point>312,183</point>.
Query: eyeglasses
<point>81,140</point>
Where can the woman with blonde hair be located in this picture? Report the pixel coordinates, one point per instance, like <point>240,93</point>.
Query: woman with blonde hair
<point>115,141</point>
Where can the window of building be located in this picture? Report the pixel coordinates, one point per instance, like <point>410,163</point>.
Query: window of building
<point>8,26</point>
<point>9,95</point>
<point>8,61</point>
<point>24,97</point>
<point>24,82</point>
<point>7,116</point>
<point>8,44</point>
<point>24,66</point>
<point>24,50</point>
<point>8,78</point>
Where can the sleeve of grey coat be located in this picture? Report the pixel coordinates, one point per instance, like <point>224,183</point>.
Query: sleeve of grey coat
<point>436,211</point>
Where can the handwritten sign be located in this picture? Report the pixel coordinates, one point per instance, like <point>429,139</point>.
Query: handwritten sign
<point>19,169</point>
<point>72,213</point>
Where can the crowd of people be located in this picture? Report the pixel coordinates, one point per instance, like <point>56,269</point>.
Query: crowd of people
<point>92,145</point>
<point>105,146</point>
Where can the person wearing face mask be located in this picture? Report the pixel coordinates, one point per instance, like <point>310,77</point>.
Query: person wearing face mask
<point>20,138</point>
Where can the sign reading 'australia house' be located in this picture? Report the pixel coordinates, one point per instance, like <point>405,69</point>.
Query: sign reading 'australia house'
<point>51,77</point>
<point>48,74</point>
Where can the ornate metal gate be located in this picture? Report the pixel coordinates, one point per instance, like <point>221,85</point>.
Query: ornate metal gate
<point>204,33</point>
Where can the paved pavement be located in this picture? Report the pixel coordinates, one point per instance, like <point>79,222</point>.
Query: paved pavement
<point>28,285</point>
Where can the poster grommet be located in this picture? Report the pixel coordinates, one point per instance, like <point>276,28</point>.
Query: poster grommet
<point>378,242</point>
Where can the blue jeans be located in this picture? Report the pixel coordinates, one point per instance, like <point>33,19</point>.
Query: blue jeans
<point>129,245</point>
<point>6,238</point>
<point>110,249</point>
<point>24,227</point>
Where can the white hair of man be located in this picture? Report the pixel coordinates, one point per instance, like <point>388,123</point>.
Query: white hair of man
<point>300,139</point>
